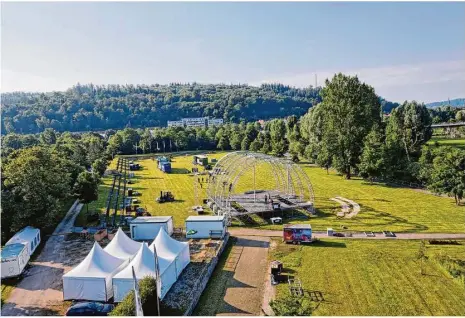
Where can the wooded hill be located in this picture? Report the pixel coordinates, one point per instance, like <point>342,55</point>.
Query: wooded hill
<point>93,107</point>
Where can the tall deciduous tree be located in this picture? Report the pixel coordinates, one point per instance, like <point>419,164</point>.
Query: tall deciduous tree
<point>278,137</point>
<point>372,161</point>
<point>444,171</point>
<point>410,125</point>
<point>86,188</point>
<point>349,109</point>
<point>48,136</point>
<point>36,183</point>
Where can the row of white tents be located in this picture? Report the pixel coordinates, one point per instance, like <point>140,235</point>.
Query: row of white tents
<point>107,272</point>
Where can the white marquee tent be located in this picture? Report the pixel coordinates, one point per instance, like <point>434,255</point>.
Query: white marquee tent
<point>172,250</point>
<point>92,278</point>
<point>144,265</point>
<point>122,246</point>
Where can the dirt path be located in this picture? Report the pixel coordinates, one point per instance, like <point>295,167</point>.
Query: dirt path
<point>244,293</point>
<point>379,236</point>
<point>40,291</point>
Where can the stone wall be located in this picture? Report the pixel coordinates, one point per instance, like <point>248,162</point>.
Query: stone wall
<point>205,277</point>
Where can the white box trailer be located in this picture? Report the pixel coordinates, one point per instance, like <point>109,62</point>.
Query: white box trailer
<point>147,227</point>
<point>206,227</point>
<point>14,259</point>
<point>28,236</point>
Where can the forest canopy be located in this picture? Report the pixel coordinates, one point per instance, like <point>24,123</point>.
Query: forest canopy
<point>101,107</point>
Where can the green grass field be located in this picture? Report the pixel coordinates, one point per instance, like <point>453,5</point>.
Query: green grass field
<point>369,278</point>
<point>149,181</point>
<point>382,207</point>
<point>459,143</point>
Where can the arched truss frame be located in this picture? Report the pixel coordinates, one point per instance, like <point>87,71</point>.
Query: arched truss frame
<point>289,177</point>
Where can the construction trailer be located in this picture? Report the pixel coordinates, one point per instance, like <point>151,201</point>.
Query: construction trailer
<point>14,259</point>
<point>206,227</point>
<point>165,167</point>
<point>147,227</point>
<point>200,160</point>
<point>28,236</point>
<point>297,233</point>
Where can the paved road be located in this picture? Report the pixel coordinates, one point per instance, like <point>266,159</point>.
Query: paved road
<point>379,236</point>
<point>41,288</point>
<point>245,289</point>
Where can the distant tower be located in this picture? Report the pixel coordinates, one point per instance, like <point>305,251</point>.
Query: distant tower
<point>316,80</point>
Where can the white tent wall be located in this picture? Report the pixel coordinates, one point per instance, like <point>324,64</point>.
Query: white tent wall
<point>168,278</point>
<point>91,288</point>
<point>92,278</point>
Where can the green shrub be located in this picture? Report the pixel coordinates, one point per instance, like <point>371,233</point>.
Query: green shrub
<point>147,288</point>
<point>290,306</point>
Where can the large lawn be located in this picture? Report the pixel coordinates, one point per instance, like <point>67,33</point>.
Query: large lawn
<point>149,181</point>
<point>370,278</point>
<point>459,142</point>
<point>382,207</point>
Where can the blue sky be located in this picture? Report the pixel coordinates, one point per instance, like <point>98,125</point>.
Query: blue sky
<point>405,50</point>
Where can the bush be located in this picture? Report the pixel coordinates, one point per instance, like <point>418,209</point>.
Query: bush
<point>147,288</point>
<point>290,306</point>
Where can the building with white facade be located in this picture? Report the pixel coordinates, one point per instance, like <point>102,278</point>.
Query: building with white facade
<point>175,123</point>
<point>215,122</point>
<point>196,122</point>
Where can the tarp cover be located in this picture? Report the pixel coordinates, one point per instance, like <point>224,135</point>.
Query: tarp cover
<point>171,249</point>
<point>122,246</point>
<point>92,278</point>
<point>144,265</point>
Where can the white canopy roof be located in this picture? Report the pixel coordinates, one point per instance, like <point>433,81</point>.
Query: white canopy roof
<point>122,246</point>
<point>168,247</point>
<point>97,263</point>
<point>144,264</point>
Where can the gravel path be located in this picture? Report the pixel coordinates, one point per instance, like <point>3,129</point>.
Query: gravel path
<point>244,293</point>
<point>379,236</point>
<point>40,291</point>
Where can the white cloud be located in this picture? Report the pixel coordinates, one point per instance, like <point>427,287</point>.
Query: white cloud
<point>388,78</point>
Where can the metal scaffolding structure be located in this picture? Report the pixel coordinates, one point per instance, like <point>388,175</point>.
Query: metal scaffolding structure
<point>292,187</point>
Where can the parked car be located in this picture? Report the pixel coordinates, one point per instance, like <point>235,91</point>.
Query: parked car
<point>89,309</point>
<point>338,234</point>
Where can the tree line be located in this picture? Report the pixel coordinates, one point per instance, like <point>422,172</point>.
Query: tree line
<point>347,131</point>
<point>99,107</point>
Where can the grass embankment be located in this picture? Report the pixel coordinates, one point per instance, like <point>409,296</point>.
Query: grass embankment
<point>458,142</point>
<point>382,207</point>
<point>212,297</point>
<point>367,278</point>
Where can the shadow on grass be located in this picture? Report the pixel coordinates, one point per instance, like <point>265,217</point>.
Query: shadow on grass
<point>179,171</point>
<point>321,243</point>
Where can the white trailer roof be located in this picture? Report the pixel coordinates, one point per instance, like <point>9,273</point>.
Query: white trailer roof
<point>151,219</point>
<point>122,246</point>
<point>206,218</point>
<point>26,235</point>
<point>97,263</point>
